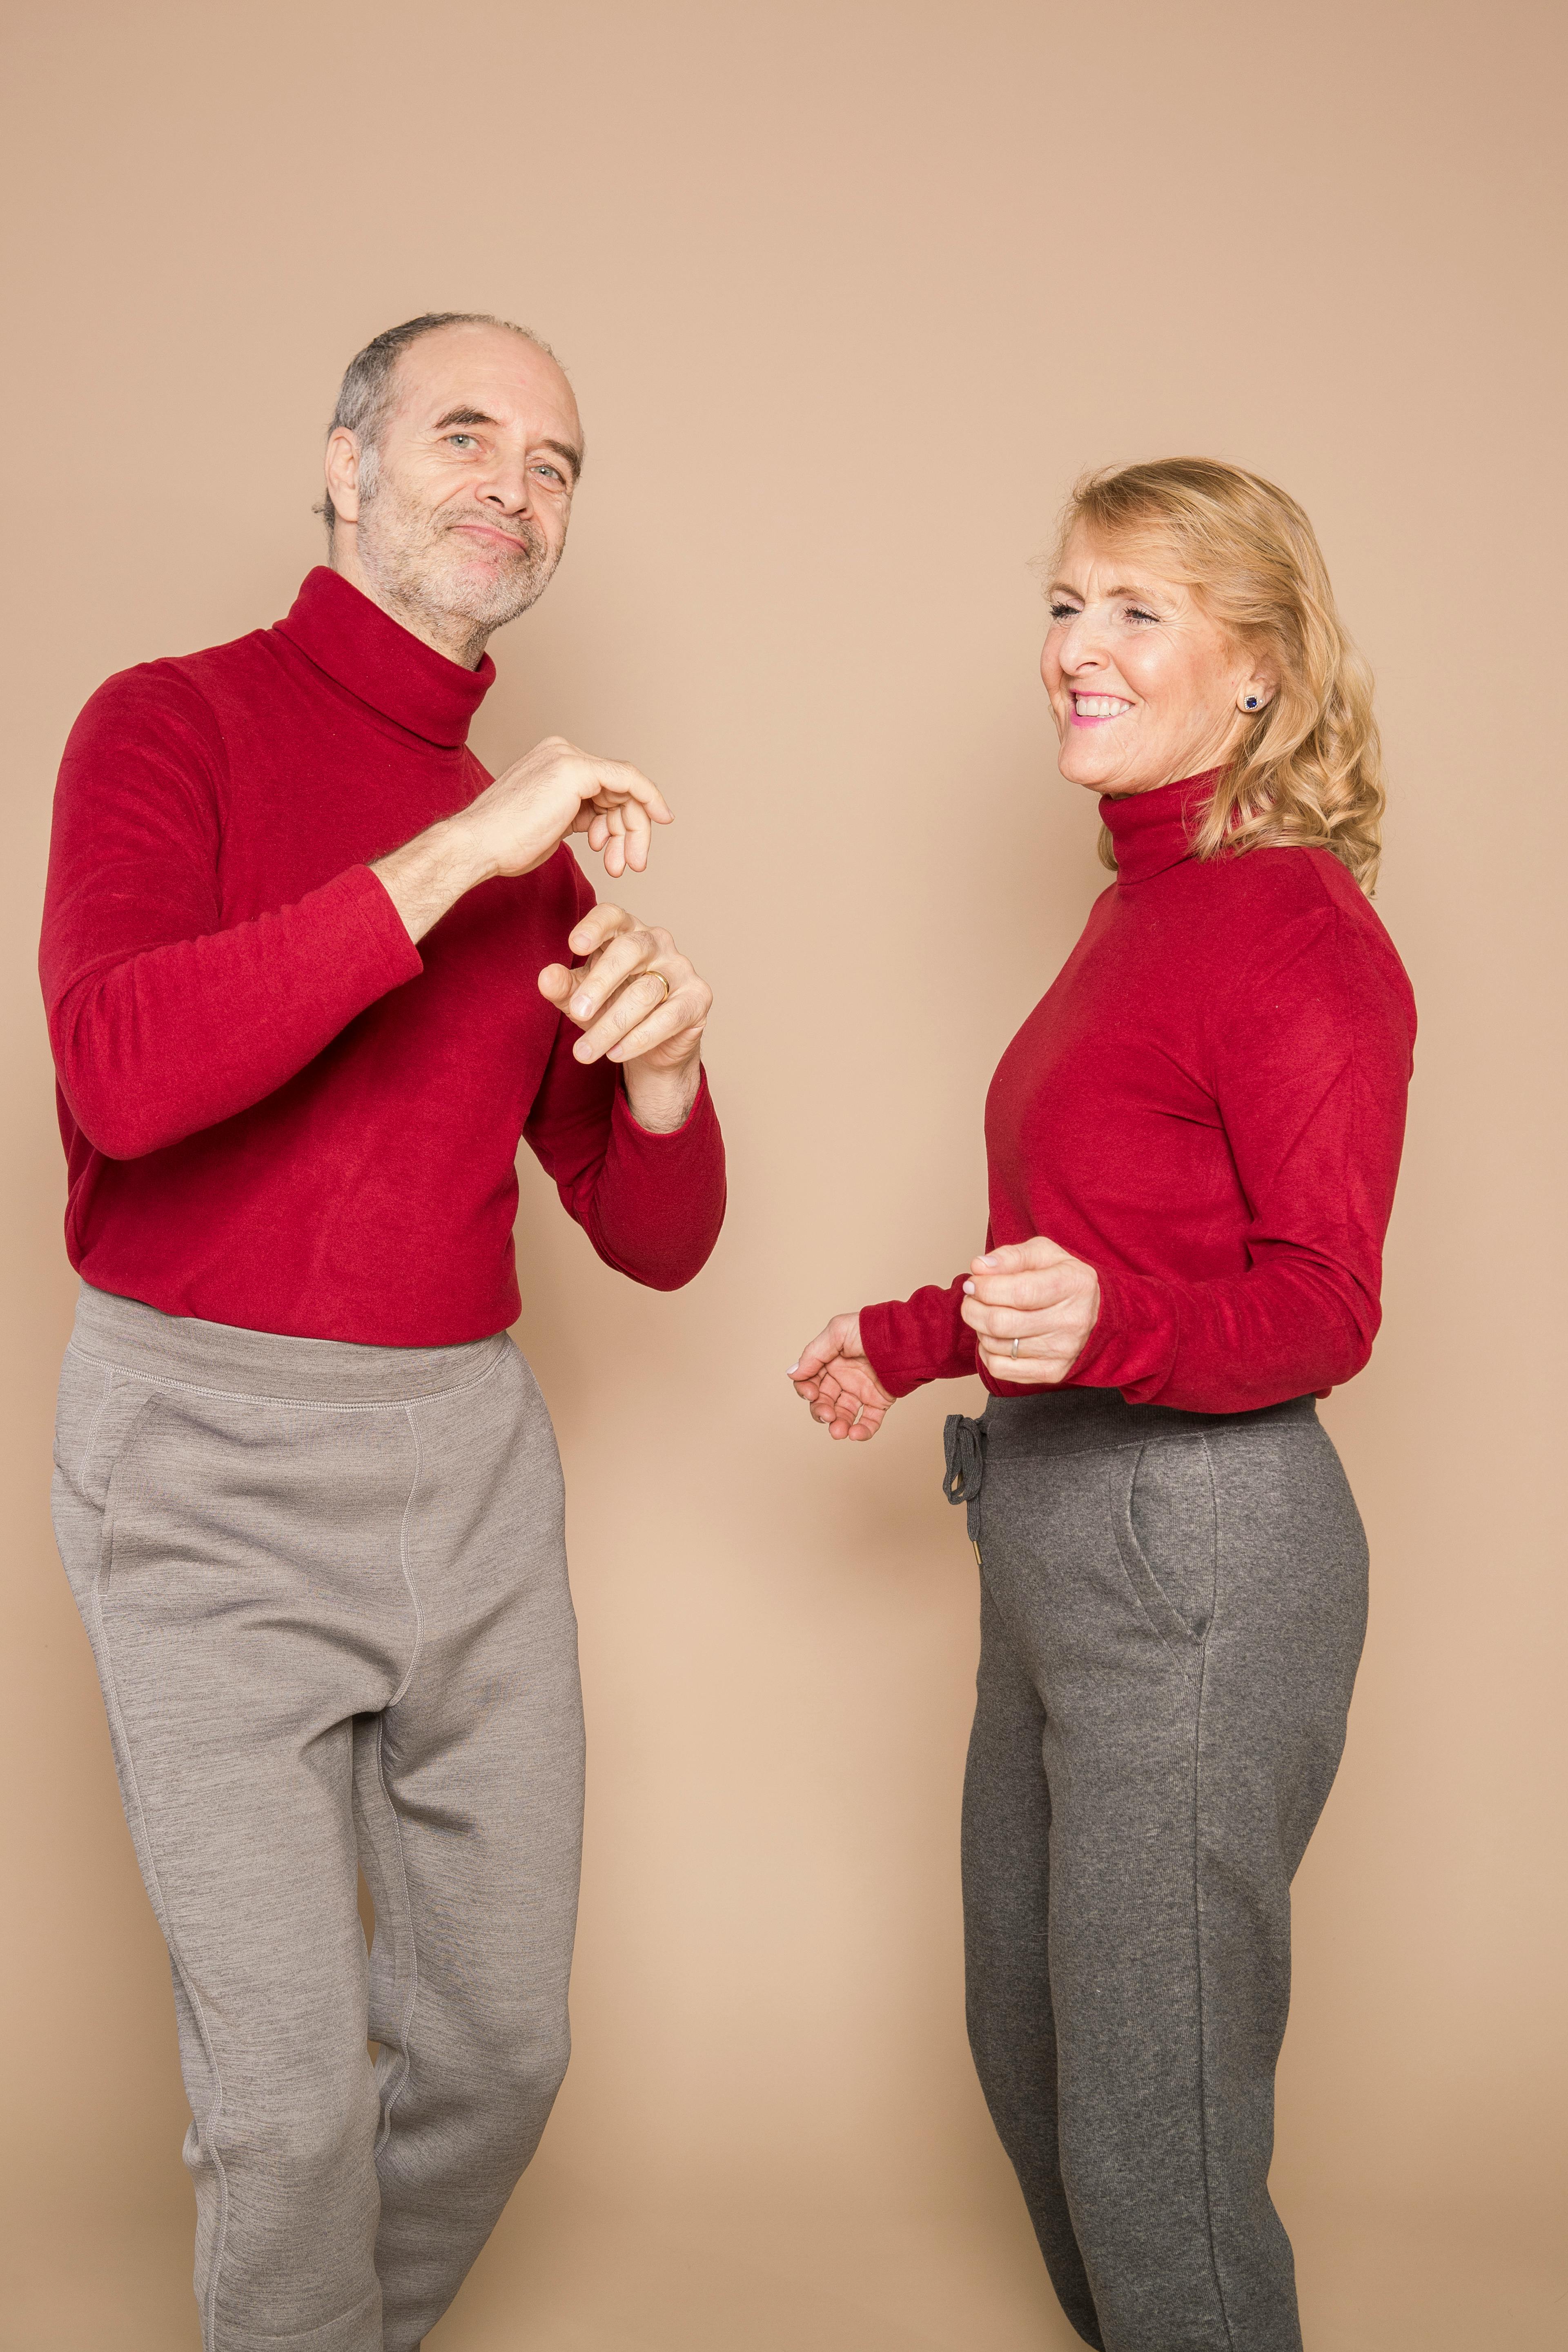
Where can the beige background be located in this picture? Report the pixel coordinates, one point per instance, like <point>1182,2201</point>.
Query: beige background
<point>849,293</point>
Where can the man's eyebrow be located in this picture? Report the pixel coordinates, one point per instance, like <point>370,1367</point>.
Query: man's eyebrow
<point>477,416</point>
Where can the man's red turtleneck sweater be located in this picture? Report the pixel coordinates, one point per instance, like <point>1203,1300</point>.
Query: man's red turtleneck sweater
<point>1207,1106</point>
<point>278,1112</point>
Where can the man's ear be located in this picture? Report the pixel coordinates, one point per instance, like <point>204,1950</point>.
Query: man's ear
<point>343,469</point>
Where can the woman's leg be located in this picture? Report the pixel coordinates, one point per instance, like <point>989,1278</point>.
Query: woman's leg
<point>1011,2031</point>
<point>1189,1612</point>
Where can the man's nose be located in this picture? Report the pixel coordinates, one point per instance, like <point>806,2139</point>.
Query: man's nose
<point>507,487</point>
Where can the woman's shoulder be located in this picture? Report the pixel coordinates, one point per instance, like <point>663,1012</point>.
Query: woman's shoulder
<point>1286,903</point>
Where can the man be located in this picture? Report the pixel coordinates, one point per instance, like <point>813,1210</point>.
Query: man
<point>310,976</point>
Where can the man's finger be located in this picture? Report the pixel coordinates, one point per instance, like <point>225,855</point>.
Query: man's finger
<point>598,925</point>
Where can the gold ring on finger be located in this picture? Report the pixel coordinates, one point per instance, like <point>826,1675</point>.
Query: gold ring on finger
<point>659,976</point>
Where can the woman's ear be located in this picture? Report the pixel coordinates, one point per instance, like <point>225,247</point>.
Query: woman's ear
<point>1257,691</point>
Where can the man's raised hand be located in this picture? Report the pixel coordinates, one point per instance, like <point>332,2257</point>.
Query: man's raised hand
<point>520,820</point>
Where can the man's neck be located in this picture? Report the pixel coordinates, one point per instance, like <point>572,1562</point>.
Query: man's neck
<point>455,635</point>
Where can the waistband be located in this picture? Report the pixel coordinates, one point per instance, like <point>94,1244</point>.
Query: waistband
<point>224,1358</point>
<point>1081,1420</point>
<point>1078,1420</point>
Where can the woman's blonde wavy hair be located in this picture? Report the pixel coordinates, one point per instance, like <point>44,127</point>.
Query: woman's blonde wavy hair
<point>1307,771</point>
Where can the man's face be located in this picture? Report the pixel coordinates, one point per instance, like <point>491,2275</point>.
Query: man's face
<point>460,511</point>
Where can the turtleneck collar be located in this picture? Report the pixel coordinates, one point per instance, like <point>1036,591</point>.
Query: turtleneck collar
<point>1151,831</point>
<point>366,650</point>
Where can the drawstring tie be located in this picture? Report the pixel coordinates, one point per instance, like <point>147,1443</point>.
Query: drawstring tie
<point>964,1442</point>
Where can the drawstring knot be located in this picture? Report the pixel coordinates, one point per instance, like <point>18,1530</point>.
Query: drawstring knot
<point>964,1442</point>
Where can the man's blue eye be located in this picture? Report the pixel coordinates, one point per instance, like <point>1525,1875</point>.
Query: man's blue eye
<point>466,437</point>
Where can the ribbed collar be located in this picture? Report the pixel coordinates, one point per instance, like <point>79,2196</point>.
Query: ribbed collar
<point>1151,831</point>
<point>377,659</point>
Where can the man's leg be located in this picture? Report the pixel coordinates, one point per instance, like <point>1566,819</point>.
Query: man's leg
<point>237,1563</point>
<point>469,1792</point>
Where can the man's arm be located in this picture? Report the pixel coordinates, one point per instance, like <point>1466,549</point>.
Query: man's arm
<point>164,1020</point>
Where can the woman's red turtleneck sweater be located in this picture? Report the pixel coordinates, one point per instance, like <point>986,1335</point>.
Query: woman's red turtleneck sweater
<point>278,1111</point>
<point>1207,1106</point>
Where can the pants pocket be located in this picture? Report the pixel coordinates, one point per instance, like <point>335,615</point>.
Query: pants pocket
<point>1163,1508</point>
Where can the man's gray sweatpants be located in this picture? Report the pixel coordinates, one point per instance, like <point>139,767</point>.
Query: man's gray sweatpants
<point>1172,1611</point>
<point>326,1591</point>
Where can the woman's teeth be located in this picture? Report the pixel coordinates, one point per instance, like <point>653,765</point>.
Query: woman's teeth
<point>1099,706</point>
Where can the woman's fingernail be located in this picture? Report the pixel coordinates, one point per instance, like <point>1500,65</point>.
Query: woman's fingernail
<point>969,1290</point>
<point>791,1372</point>
<point>581,1006</point>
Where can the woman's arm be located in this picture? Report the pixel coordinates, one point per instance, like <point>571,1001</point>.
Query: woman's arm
<point>1311,1054</point>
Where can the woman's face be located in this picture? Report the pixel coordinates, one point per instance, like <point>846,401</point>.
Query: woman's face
<point>1144,687</point>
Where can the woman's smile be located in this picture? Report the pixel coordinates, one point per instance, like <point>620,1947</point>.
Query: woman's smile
<point>1094,709</point>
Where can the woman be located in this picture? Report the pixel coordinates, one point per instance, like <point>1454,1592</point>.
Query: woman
<point>1193,1143</point>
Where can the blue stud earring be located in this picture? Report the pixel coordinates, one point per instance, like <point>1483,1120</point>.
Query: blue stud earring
<point>1252,702</point>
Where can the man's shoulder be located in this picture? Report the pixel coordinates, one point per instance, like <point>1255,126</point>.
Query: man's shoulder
<point>188,683</point>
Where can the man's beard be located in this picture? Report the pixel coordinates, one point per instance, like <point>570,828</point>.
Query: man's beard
<point>408,555</point>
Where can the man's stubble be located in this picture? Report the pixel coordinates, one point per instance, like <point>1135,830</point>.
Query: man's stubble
<point>408,555</point>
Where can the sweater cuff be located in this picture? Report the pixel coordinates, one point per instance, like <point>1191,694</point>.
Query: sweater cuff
<point>909,1341</point>
<point>366,897</point>
<point>698,1120</point>
<point>1133,1345</point>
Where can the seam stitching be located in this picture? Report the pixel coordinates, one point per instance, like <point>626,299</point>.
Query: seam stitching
<point>1198,1941</point>
<point>209,2315</point>
<point>295,1404</point>
<point>403,1557</point>
<point>405,2054</point>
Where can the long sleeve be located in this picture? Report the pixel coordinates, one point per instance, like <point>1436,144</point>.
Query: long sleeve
<point>925,1338</point>
<point>1311,1057</point>
<point>652,1205</point>
<point>164,1020</point>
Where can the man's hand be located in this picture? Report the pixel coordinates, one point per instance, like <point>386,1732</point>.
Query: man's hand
<point>638,1002</point>
<point>520,821</point>
<point>1035,1293</point>
<point>835,1378</point>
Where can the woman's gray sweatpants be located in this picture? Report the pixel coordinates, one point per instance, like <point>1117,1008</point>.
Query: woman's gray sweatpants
<point>1172,1611</point>
<point>326,1590</point>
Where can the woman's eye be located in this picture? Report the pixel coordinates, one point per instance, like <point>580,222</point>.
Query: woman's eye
<point>1063,612</point>
<point>1136,612</point>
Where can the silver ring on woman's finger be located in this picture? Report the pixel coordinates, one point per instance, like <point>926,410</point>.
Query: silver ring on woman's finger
<point>1014,1348</point>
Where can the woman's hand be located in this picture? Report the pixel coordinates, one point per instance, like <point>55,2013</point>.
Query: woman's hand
<point>638,1002</point>
<point>835,1378</point>
<point>1036,1293</point>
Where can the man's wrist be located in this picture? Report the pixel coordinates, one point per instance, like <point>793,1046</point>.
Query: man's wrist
<point>432,871</point>
<point>662,1101</point>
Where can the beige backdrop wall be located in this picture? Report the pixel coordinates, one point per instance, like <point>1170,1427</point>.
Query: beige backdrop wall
<point>849,293</point>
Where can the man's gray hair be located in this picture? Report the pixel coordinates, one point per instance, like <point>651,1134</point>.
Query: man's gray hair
<point>368,389</point>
